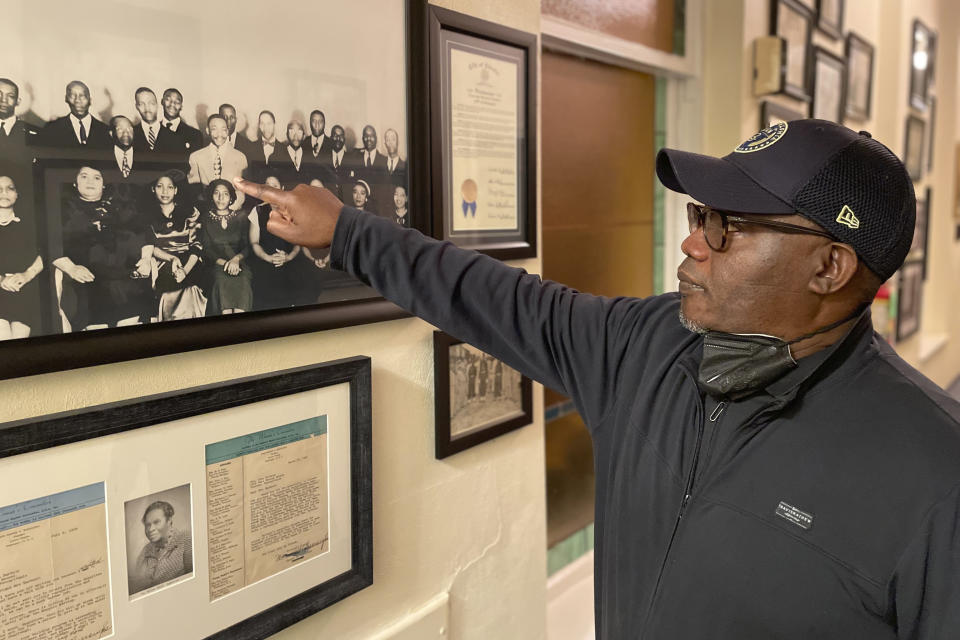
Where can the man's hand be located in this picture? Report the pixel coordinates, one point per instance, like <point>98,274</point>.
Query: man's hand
<point>305,215</point>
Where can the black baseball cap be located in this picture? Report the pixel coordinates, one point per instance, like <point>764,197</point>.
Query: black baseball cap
<point>847,182</point>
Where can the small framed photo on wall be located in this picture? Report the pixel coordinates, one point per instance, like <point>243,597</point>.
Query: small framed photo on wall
<point>913,146</point>
<point>773,112</point>
<point>793,21</point>
<point>922,55</point>
<point>830,17</point>
<point>859,87</point>
<point>826,86</point>
<point>477,397</point>
<point>909,300</point>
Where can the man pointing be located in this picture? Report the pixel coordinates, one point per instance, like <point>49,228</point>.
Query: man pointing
<point>767,467</point>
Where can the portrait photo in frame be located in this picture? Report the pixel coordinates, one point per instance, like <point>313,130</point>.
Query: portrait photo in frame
<point>163,289</point>
<point>827,74</point>
<point>915,136</point>
<point>859,85</point>
<point>483,143</point>
<point>477,397</point>
<point>276,469</point>
<point>793,21</point>
<point>909,299</point>
<point>922,59</point>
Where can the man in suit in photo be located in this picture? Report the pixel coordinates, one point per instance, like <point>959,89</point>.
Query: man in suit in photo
<point>366,162</point>
<point>16,136</point>
<point>149,137</point>
<point>318,145</point>
<point>292,167</point>
<point>266,151</point>
<point>396,166</point>
<point>334,170</point>
<point>186,139</point>
<point>122,132</point>
<point>218,159</point>
<point>229,113</point>
<point>78,129</point>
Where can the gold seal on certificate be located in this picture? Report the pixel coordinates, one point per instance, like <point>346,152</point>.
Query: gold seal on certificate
<point>484,119</point>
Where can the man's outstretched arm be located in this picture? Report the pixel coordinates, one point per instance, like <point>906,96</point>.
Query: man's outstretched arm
<point>564,339</point>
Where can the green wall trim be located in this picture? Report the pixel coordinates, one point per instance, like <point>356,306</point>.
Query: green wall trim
<point>659,192</point>
<point>569,549</point>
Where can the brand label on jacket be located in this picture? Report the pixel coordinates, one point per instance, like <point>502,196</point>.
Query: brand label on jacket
<point>792,514</point>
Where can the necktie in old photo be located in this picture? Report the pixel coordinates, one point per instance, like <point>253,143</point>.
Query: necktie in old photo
<point>83,134</point>
<point>217,167</point>
<point>125,167</point>
<point>151,138</point>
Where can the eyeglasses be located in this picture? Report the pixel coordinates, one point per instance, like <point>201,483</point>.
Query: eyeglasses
<point>715,225</point>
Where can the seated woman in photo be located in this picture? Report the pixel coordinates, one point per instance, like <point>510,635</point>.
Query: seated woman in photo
<point>20,263</point>
<point>178,277</point>
<point>400,206</point>
<point>225,238</point>
<point>106,258</point>
<point>278,279</point>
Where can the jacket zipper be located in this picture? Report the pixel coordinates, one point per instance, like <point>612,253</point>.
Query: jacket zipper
<point>688,487</point>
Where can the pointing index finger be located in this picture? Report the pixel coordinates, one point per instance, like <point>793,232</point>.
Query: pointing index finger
<point>262,192</point>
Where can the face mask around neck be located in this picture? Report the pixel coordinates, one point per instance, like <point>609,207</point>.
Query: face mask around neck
<point>736,365</point>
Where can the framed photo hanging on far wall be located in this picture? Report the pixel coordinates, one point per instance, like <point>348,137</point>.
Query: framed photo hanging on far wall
<point>830,17</point>
<point>909,299</point>
<point>793,22</point>
<point>922,54</point>
<point>483,82</point>
<point>859,84</point>
<point>772,112</point>
<point>826,86</point>
<point>913,158</point>
<point>121,235</point>
<point>255,513</point>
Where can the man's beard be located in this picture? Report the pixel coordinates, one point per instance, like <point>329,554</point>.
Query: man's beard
<point>692,325</point>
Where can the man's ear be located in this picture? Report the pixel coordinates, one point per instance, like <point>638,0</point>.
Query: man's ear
<point>836,266</point>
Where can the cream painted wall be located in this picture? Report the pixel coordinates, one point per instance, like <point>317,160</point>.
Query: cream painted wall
<point>473,524</point>
<point>731,113</point>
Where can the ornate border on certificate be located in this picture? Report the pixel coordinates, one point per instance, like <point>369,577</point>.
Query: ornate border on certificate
<point>483,134</point>
<point>243,506</point>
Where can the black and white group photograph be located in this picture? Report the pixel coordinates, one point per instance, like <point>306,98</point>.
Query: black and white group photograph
<point>117,203</point>
<point>159,539</point>
<point>483,390</point>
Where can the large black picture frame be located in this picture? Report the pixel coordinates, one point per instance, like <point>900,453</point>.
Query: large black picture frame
<point>34,434</point>
<point>439,23</point>
<point>40,354</point>
<point>446,442</point>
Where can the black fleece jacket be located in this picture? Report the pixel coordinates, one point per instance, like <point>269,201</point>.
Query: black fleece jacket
<point>831,508</point>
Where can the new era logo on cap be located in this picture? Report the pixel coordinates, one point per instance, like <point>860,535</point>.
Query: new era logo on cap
<point>846,217</point>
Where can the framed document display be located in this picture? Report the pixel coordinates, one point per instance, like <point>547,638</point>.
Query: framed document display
<point>909,299</point>
<point>243,507</point>
<point>112,244</point>
<point>477,397</point>
<point>483,126</point>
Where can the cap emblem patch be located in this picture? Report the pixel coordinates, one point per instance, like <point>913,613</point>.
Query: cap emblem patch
<point>763,138</point>
<point>846,217</point>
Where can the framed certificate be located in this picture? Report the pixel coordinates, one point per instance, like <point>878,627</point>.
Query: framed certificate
<point>228,511</point>
<point>482,80</point>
